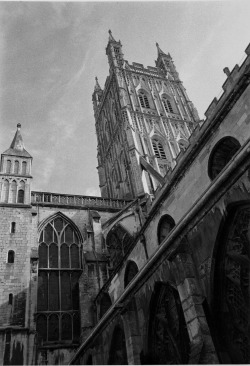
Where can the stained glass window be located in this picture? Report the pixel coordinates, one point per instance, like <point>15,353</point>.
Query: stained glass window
<point>58,318</point>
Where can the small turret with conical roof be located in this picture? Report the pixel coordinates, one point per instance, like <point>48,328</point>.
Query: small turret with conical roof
<point>15,173</point>
<point>97,95</point>
<point>114,52</point>
<point>165,63</point>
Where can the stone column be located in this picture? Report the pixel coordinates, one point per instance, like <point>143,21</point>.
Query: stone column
<point>202,350</point>
<point>132,335</point>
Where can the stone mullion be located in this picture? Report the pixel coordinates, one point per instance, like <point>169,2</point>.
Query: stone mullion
<point>202,349</point>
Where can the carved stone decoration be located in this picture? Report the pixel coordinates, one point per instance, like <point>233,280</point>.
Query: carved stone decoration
<point>168,336</point>
<point>233,292</point>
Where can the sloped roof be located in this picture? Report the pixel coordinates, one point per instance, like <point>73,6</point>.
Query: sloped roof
<point>17,146</point>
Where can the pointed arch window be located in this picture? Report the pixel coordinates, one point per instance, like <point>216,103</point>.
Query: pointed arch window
<point>58,277</point>
<point>158,149</point>
<point>167,105</point>
<point>8,167</point>
<point>20,195</point>
<point>143,99</point>
<point>118,241</point>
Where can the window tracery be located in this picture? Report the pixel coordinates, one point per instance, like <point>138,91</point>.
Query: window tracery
<point>117,242</point>
<point>143,99</point>
<point>58,290</point>
<point>158,149</point>
<point>168,336</point>
<point>232,289</point>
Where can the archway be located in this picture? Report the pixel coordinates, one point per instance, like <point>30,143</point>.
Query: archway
<point>232,289</point>
<point>168,340</point>
<point>118,351</point>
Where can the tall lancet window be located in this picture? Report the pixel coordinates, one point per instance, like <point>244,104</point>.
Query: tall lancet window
<point>8,167</point>
<point>58,290</point>
<point>20,196</point>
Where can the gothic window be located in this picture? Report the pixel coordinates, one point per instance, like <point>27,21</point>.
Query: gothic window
<point>166,224</point>
<point>168,337</point>
<point>24,168</point>
<point>118,351</point>
<point>6,190</point>
<point>8,167</point>
<point>20,195</point>
<point>16,167</point>
<point>11,256</point>
<point>167,105</point>
<point>232,289</point>
<point>130,272</point>
<point>143,99</point>
<point>221,154</point>
<point>58,290</point>
<point>158,149</point>
<point>118,241</point>
<point>13,191</point>
<point>105,304</point>
<point>10,299</point>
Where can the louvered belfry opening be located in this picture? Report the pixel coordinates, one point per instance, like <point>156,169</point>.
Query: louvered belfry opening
<point>58,319</point>
<point>158,149</point>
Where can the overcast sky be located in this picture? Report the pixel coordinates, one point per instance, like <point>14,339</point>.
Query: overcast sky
<point>51,52</point>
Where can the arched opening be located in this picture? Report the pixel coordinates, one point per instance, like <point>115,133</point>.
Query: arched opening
<point>130,272</point>
<point>221,154</point>
<point>144,100</point>
<point>166,224</point>
<point>118,351</point>
<point>58,276</point>
<point>11,256</point>
<point>158,149</point>
<point>118,241</point>
<point>168,340</point>
<point>89,360</point>
<point>105,303</point>
<point>8,167</point>
<point>20,194</point>
<point>232,289</point>
<point>167,104</point>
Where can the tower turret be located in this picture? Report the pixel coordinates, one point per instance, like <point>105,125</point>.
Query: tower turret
<point>165,63</point>
<point>15,172</point>
<point>114,52</point>
<point>97,95</point>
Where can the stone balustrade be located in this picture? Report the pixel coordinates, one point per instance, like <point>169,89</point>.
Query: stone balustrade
<point>75,200</point>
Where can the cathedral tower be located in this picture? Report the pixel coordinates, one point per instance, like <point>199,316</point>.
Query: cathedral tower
<point>15,173</point>
<point>144,118</point>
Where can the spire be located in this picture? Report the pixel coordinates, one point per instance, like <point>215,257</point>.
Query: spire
<point>160,52</point>
<point>111,38</point>
<point>97,85</point>
<point>17,145</point>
